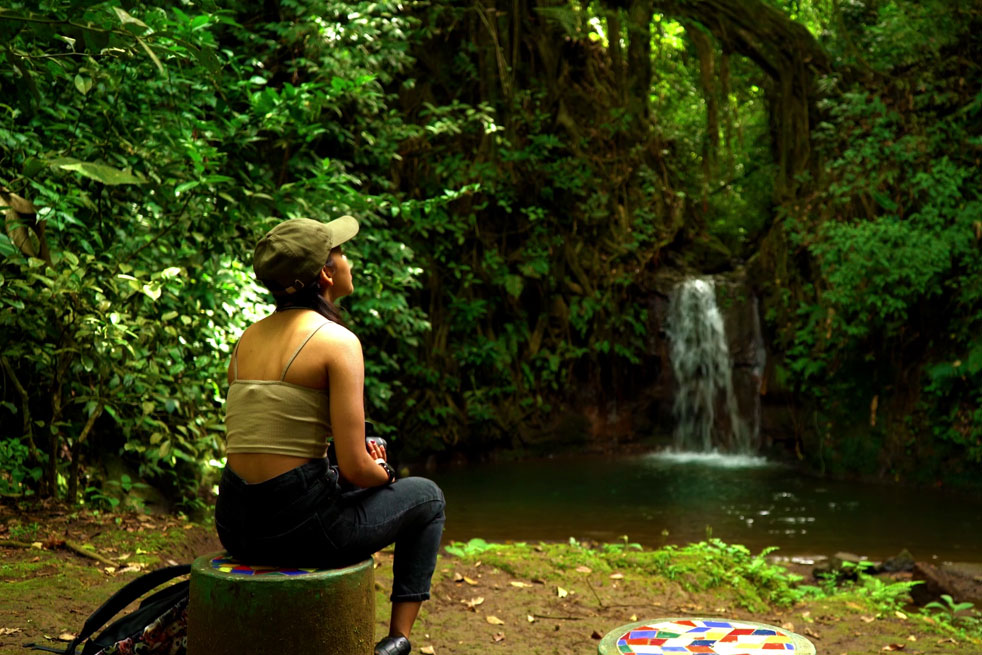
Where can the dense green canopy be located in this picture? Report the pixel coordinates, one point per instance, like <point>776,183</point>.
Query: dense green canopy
<point>523,171</point>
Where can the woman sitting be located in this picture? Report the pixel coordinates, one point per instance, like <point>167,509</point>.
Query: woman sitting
<point>296,378</point>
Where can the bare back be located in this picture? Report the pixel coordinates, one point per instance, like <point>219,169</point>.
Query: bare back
<point>263,352</point>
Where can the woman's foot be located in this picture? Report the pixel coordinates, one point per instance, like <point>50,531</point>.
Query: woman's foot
<point>393,646</point>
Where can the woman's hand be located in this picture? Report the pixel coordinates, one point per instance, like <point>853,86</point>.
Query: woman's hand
<point>377,450</point>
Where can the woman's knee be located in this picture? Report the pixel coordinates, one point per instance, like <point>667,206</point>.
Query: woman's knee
<point>424,491</point>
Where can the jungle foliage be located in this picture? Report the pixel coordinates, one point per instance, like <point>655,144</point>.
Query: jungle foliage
<point>523,171</point>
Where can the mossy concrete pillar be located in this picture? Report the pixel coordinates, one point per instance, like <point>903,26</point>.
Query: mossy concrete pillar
<point>237,609</point>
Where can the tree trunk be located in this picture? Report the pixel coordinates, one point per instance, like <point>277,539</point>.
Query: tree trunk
<point>639,57</point>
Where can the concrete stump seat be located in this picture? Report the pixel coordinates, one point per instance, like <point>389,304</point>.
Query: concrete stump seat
<point>688,636</point>
<point>238,609</point>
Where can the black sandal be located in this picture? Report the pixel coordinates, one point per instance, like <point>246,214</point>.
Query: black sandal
<point>393,646</point>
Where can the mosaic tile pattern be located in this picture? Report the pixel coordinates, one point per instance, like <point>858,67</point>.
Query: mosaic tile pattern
<point>229,565</point>
<point>719,637</point>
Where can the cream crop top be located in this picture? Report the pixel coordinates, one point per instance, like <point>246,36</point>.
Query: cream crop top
<point>274,416</point>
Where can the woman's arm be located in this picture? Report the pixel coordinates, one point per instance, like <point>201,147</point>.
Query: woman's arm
<point>346,383</point>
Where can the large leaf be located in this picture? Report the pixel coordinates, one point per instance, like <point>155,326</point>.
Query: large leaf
<point>133,25</point>
<point>100,172</point>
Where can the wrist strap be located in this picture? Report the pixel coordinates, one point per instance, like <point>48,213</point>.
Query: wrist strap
<point>388,469</point>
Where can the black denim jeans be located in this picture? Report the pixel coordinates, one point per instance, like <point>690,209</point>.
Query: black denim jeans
<point>303,519</point>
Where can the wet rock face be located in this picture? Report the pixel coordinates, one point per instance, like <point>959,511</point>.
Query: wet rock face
<point>961,581</point>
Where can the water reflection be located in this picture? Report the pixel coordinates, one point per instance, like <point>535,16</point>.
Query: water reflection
<point>677,498</point>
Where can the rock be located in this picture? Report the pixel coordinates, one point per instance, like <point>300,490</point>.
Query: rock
<point>902,561</point>
<point>841,557</point>
<point>841,566</point>
<point>961,581</point>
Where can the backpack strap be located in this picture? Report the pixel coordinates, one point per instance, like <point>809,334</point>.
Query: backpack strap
<point>118,601</point>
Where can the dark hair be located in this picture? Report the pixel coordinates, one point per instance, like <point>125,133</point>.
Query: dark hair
<point>310,297</point>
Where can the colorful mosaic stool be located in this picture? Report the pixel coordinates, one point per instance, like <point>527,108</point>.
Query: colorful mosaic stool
<point>239,609</point>
<point>685,636</point>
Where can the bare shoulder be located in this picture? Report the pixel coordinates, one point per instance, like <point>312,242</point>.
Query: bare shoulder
<point>338,341</point>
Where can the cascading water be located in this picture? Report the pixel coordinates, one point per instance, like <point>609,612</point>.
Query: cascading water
<point>706,411</point>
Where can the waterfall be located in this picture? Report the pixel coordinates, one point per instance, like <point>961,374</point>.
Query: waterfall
<point>706,411</point>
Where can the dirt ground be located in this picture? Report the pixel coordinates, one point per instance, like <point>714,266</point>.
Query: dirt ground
<point>528,606</point>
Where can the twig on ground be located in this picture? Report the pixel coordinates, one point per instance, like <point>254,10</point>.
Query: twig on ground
<point>10,543</point>
<point>594,591</point>
<point>91,554</point>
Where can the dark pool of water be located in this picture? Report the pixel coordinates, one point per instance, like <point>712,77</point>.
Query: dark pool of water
<point>657,499</point>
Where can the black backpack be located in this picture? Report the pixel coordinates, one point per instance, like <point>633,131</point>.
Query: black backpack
<point>157,627</point>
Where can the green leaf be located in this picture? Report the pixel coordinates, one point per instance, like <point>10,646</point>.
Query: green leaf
<point>31,167</point>
<point>206,57</point>
<point>99,172</point>
<point>153,57</point>
<point>95,40</point>
<point>133,25</point>
<point>514,285</point>
<point>83,84</point>
<point>152,290</point>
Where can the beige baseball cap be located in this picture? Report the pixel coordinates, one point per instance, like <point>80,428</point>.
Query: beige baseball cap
<point>290,256</point>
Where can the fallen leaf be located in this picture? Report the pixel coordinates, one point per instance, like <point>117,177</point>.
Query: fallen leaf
<point>811,633</point>
<point>473,602</point>
<point>124,556</point>
<point>131,568</point>
<point>616,576</point>
<point>900,615</point>
<point>110,569</point>
<point>911,638</point>
<point>8,631</point>
<point>457,577</point>
<point>493,620</point>
<point>530,618</point>
<point>596,635</point>
<point>788,625</point>
<point>947,640</point>
<point>855,606</point>
<point>469,581</point>
<point>427,650</point>
<point>498,636</point>
<point>562,593</point>
<point>37,545</point>
<point>66,636</point>
<point>634,617</point>
<point>519,584</point>
<point>867,619</point>
<point>584,569</point>
<point>478,565</point>
<point>893,647</point>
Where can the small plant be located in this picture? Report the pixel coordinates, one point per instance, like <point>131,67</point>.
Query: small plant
<point>620,546</point>
<point>27,532</point>
<point>96,499</point>
<point>886,596</point>
<point>949,609</point>
<point>472,548</point>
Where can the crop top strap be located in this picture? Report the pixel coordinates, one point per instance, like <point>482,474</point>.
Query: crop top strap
<point>235,362</point>
<point>300,347</point>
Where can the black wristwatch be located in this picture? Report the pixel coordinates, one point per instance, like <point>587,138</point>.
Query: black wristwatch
<point>388,469</point>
